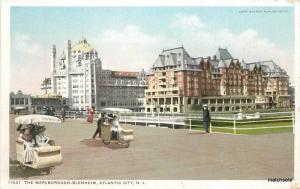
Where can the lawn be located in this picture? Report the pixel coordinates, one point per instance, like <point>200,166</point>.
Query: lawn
<point>262,126</point>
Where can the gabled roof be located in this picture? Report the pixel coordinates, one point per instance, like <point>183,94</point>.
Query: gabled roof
<point>244,65</point>
<point>270,68</point>
<point>223,54</point>
<point>251,66</point>
<point>160,61</point>
<point>175,57</point>
<point>222,64</point>
<point>180,58</point>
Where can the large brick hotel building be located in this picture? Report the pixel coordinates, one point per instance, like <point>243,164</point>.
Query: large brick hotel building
<point>178,82</point>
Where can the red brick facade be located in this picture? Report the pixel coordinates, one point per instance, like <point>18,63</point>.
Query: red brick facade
<point>210,78</point>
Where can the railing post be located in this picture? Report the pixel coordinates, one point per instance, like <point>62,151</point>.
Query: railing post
<point>125,118</point>
<point>234,126</point>
<point>190,122</point>
<point>146,120</point>
<point>293,120</point>
<point>158,125</point>
<point>135,118</point>
<point>210,129</point>
<point>173,120</point>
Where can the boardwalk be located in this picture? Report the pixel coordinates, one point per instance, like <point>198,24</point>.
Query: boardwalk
<point>161,153</point>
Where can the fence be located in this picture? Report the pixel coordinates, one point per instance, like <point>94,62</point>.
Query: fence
<point>153,120</point>
<point>240,123</point>
<point>233,123</point>
<point>257,123</point>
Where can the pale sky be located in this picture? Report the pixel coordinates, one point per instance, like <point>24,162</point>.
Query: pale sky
<point>130,38</point>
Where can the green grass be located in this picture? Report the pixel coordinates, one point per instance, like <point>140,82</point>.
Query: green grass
<point>223,130</point>
<point>264,124</point>
<point>265,131</point>
<point>221,126</point>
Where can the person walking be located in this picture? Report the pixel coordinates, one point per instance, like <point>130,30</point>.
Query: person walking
<point>52,111</point>
<point>100,121</point>
<point>63,114</point>
<point>206,118</point>
<point>91,115</point>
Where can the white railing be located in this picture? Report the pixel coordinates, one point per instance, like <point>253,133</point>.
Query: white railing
<point>271,118</point>
<point>233,122</point>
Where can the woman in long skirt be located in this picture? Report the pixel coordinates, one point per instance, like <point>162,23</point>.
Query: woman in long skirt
<point>90,115</point>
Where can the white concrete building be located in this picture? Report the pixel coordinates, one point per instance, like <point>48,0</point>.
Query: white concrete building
<point>73,74</point>
<point>77,75</point>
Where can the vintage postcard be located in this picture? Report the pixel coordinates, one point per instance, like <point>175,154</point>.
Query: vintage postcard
<point>144,94</point>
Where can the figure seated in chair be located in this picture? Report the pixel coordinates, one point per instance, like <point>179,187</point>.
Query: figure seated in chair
<point>28,141</point>
<point>41,138</point>
<point>115,128</point>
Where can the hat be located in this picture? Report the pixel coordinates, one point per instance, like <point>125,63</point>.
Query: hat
<point>26,126</point>
<point>204,105</point>
<point>23,126</point>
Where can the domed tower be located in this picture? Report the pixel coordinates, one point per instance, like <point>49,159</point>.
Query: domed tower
<point>75,73</point>
<point>84,60</point>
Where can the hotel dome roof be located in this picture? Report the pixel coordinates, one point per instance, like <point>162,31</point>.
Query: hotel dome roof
<point>83,46</point>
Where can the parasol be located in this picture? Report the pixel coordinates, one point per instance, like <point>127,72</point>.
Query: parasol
<point>34,119</point>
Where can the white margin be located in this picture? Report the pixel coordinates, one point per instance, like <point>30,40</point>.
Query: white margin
<point>4,118</point>
<point>4,105</point>
<point>297,97</point>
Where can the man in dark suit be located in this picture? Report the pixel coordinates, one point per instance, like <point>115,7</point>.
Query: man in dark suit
<point>206,118</point>
<point>100,121</point>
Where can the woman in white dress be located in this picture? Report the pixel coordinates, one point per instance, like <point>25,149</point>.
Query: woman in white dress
<point>26,137</point>
<point>41,138</point>
<point>115,128</point>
